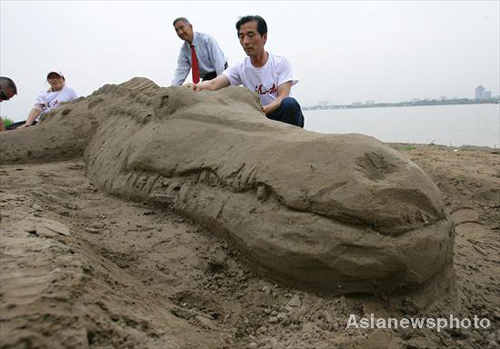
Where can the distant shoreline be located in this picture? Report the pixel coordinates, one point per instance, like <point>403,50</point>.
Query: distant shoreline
<point>405,104</point>
<point>434,146</point>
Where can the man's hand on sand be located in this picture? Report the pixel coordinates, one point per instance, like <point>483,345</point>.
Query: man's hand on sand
<point>192,86</point>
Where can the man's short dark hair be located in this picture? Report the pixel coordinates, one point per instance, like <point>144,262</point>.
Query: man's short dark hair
<point>261,24</point>
<point>181,19</point>
<point>6,82</point>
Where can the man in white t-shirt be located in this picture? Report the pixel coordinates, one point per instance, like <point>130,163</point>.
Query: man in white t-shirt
<point>50,99</point>
<point>269,75</point>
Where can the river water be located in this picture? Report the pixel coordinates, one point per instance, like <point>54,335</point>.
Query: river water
<point>470,124</point>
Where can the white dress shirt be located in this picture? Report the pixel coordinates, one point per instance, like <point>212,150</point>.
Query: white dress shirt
<point>210,58</point>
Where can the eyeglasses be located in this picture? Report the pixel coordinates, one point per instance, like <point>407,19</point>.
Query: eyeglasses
<point>4,96</point>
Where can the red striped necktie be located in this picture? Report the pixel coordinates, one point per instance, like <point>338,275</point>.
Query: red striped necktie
<point>194,64</point>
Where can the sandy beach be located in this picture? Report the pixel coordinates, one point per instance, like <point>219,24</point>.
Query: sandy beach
<point>98,249</point>
<point>109,273</point>
<point>198,176</point>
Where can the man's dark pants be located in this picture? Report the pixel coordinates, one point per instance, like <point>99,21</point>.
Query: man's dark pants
<point>289,111</point>
<point>16,125</point>
<point>212,75</point>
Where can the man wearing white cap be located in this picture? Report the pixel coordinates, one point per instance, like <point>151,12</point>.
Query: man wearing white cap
<point>50,99</point>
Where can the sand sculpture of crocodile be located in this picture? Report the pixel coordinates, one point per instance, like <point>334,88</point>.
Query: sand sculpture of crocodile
<point>335,212</point>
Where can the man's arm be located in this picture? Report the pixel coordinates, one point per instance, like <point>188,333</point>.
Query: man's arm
<point>183,68</point>
<point>283,92</point>
<point>34,113</point>
<point>211,85</point>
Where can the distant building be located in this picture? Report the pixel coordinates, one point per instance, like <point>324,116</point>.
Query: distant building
<point>370,102</point>
<point>481,93</point>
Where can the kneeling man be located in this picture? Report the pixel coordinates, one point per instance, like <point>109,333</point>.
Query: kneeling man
<point>269,75</point>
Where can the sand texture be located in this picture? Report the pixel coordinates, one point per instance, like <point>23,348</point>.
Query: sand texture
<point>196,250</point>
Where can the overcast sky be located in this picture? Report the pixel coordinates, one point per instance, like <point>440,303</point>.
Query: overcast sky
<point>341,51</point>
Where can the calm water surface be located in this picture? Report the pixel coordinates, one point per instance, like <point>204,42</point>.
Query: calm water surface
<point>472,124</point>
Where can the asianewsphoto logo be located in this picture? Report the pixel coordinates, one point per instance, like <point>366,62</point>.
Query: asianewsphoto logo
<point>417,323</point>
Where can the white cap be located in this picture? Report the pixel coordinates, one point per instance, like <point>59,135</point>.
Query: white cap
<point>55,71</point>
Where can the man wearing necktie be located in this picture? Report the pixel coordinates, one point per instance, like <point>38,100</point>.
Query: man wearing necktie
<point>199,53</point>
